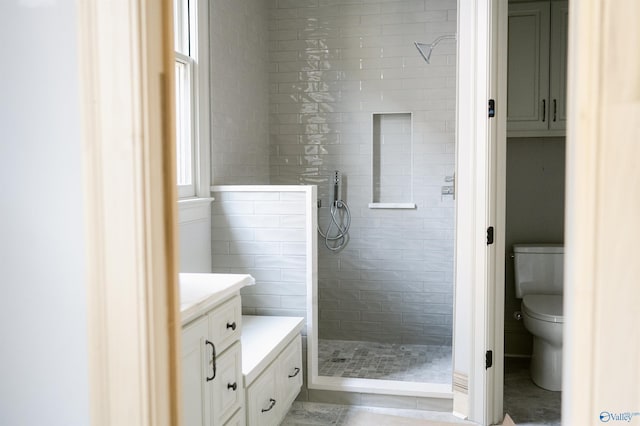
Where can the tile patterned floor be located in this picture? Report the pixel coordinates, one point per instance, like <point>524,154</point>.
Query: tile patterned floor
<point>389,361</point>
<point>314,413</point>
<point>526,403</point>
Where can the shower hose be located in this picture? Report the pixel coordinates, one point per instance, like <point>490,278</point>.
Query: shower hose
<point>337,241</point>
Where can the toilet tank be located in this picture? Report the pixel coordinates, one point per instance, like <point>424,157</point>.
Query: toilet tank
<point>538,268</point>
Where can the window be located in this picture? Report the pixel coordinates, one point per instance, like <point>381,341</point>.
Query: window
<point>190,41</point>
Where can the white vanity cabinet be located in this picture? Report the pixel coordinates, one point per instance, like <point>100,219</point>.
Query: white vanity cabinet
<point>235,369</point>
<point>537,69</point>
<point>272,366</point>
<point>212,365</point>
<point>212,381</point>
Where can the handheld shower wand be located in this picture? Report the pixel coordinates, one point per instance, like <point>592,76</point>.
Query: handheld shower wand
<point>340,217</point>
<point>337,188</point>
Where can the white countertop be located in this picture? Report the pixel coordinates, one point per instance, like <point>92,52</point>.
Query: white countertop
<point>200,292</point>
<point>263,338</point>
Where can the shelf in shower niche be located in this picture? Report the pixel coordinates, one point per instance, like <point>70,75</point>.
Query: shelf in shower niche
<point>392,205</point>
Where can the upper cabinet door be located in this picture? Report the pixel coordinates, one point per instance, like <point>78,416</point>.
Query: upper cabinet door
<point>528,67</point>
<point>558,71</point>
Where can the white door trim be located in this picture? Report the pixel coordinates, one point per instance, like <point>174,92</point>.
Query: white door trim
<point>476,209</point>
<point>499,174</point>
<point>126,74</point>
<point>601,375</point>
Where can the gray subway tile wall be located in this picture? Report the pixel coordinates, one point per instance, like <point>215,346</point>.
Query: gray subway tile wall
<point>239,69</point>
<point>333,65</point>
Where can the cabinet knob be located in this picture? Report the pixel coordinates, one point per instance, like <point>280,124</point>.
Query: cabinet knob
<point>272,403</point>
<point>295,372</point>
<point>231,326</point>
<point>233,386</point>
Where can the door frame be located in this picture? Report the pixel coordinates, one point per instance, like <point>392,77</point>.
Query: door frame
<point>125,55</point>
<point>496,311</point>
<point>500,61</point>
<point>480,161</point>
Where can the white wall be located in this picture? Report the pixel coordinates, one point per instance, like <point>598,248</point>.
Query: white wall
<point>239,92</point>
<point>535,214</point>
<point>43,355</point>
<point>194,231</point>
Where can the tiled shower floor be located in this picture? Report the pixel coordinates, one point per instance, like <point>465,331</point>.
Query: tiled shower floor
<point>388,361</point>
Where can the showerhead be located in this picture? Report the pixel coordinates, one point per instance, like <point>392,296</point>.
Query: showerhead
<point>420,47</point>
<point>425,49</point>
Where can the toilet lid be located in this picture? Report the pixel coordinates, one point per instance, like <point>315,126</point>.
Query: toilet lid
<point>545,307</point>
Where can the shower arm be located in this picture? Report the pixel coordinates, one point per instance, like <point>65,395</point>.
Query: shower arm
<point>431,46</point>
<point>443,37</point>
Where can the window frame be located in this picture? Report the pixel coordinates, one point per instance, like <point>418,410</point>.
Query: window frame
<point>197,62</point>
<point>187,111</point>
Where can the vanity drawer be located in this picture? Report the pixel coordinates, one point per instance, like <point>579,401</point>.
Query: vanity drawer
<point>289,371</point>
<point>228,392</point>
<point>225,323</point>
<point>263,405</point>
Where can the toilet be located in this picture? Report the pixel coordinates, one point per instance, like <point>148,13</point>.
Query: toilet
<point>539,283</point>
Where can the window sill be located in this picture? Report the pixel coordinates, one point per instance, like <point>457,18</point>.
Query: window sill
<point>194,209</point>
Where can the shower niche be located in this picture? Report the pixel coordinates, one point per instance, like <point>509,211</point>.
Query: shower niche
<point>392,161</point>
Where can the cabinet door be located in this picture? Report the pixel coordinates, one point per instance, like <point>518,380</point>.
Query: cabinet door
<point>196,392</point>
<point>558,72</point>
<point>263,402</point>
<point>528,67</point>
<point>228,392</point>
<point>290,371</point>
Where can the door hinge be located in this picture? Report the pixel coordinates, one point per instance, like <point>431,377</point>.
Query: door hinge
<point>488,359</point>
<point>490,235</point>
<point>492,108</point>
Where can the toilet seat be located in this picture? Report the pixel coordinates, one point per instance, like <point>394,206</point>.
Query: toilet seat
<point>544,307</point>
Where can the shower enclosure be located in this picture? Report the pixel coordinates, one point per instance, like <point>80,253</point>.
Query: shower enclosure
<point>350,93</point>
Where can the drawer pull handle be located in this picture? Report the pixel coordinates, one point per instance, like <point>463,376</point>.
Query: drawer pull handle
<point>296,371</point>
<point>232,326</point>
<point>233,386</point>
<point>213,361</point>
<point>272,403</point>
